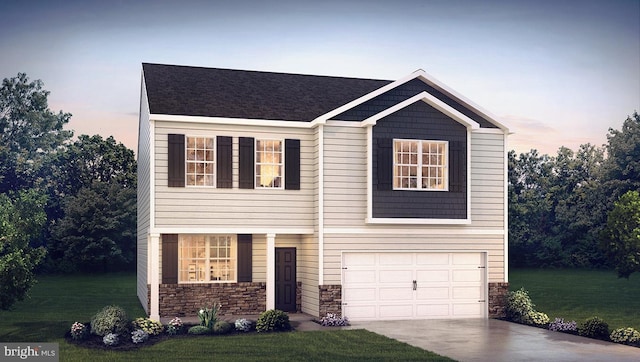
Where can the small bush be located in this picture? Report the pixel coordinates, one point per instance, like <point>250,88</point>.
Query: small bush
<point>175,326</point>
<point>111,339</point>
<point>273,320</point>
<point>199,330</point>
<point>333,320</point>
<point>111,319</point>
<point>152,327</point>
<point>79,331</point>
<point>559,325</point>
<point>628,336</point>
<point>243,325</point>
<point>222,327</point>
<point>538,318</point>
<point>209,316</point>
<point>519,306</point>
<point>594,327</point>
<point>139,336</point>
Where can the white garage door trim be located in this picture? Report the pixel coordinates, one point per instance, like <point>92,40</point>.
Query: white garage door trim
<point>392,285</point>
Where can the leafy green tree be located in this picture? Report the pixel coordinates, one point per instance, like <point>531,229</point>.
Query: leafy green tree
<point>21,221</point>
<point>28,131</point>
<point>98,230</point>
<point>621,237</point>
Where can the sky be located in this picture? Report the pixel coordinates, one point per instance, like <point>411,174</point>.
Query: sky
<point>556,73</point>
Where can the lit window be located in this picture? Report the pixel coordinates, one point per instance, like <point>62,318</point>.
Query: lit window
<point>200,161</point>
<point>269,163</point>
<point>420,165</point>
<point>207,258</point>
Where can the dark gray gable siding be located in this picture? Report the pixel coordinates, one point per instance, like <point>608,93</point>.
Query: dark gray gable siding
<point>419,121</point>
<point>401,93</point>
<point>213,92</point>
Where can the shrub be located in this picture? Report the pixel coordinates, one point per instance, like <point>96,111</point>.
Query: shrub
<point>175,326</point>
<point>222,327</point>
<point>519,306</point>
<point>559,325</point>
<point>209,316</point>
<point>538,318</point>
<point>627,335</point>
<point>333,320</point>
<point>198,330</point>
<point>79,331</point>
<point>243,325</point>
<point>139,336</point>
<point>273,320</point>
<point>111,319</point>
<point>594,327</point>
<point>153,328</point>
<point>111,339</point>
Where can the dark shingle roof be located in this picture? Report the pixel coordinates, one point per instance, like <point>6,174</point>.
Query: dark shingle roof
<point>213,92</point>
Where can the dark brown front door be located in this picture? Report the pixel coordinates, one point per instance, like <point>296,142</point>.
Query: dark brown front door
<point>286,279</point>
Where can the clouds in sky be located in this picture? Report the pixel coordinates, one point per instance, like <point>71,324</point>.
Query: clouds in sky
<point>557,73</point>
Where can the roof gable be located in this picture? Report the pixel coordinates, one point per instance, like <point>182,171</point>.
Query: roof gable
<point>227,93</point>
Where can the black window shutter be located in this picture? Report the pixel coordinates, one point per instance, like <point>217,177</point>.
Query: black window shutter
<point>457,166</point>
<point>245,257</point>
<point>176,160</point>
<point>169,258</point>
<point>223,162</point>
<point>247,163</point>
<point>292,164</point>
<point>384,164</point>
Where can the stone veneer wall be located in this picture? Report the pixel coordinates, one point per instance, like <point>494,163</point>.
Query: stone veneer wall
<point>498,299</point>
<point>330,299</point>
<point>179,300</point>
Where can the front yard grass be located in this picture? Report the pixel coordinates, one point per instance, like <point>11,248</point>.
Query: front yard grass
<point>576,294</point>
<point>58,301</point>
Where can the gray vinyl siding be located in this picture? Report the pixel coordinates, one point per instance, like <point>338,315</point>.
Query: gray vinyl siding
<point>143,199</point>
<point>345,205</point>
<point>212,207</point>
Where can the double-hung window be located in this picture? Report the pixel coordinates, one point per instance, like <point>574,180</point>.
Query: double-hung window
<point>420,165</point>
<point>269,163</point>
<point>200,161</point>
<point>207,258</point>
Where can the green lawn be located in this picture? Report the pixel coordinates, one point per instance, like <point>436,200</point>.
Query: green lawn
<point>579,294</point>
<point>58,301</point>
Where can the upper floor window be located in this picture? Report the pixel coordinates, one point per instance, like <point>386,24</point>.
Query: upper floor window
<point>200,161</point>
<point>269,163</point>
<point>420,165</point>
<point>207,258</point>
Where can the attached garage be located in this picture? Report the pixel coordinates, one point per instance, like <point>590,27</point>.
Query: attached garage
<point>413,285</point>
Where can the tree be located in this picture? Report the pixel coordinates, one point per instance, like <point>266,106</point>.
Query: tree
<point>87,160</point>
<point>28,131</point>
<point>98,230</point>
<point>621,237</point>
<point>21,221</point>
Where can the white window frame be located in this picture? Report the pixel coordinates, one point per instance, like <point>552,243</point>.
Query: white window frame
<point>420,165</point>
<point>202,269</point>
<point>205,162</point>
<point>257,185</point>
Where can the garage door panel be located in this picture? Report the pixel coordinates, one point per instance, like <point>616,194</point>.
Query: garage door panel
<point>360,294</point>
<point>396,276</point>
<point>359,276</point>
<point>409,285</point>
<point>395,259</point>
<point>396,311</point>
<point>432,293</point>
<point>430,276</point>
<point>401,294</point>
<point>473,275</point>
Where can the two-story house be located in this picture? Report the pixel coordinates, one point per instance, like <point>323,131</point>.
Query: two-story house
<point>372,199</point>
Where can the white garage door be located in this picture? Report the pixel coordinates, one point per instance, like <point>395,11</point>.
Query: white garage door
<point>379,286</point>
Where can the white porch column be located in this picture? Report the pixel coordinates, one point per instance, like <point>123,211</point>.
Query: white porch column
<point>271,271</point>
<point>154,276</point>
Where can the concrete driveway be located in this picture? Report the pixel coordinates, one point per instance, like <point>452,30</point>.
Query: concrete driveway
<point>496,340</point>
